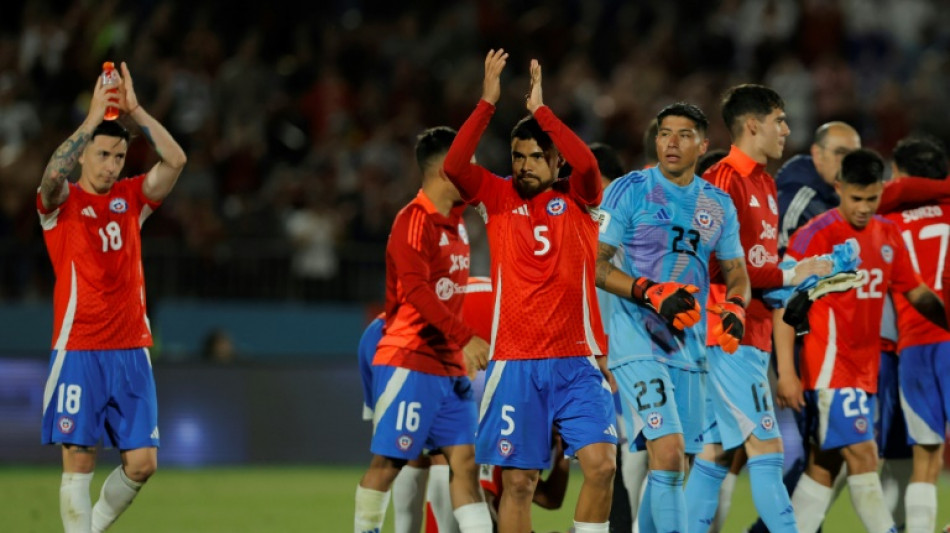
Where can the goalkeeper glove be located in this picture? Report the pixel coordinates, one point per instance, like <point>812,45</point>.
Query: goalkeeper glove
<point>798,305</point>
<point>730,330</point>
<point>673,301</point>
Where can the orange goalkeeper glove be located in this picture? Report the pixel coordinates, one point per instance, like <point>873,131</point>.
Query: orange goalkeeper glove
<point>673,301</point>
<point>730,330</point>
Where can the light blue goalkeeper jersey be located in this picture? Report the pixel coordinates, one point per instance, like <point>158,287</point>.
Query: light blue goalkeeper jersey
<point>666,232</point>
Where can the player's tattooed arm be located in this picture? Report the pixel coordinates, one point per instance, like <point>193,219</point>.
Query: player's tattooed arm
<point>53,189</point>
<point>607,276</point>
<point>928,304</point>
<point>736,277</point>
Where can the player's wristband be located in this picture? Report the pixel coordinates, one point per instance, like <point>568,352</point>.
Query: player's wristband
<point>639,288</point>
<point>738,300</point>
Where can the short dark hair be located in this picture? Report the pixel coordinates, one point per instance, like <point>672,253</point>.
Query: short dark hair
<point>111,128</point>
<point>745,99</point>
<point>649,143</point>
<point>607,160</point>
<point>862,167</point>
<point>685,110</point>
<point>433,142</point>
<point>709,159</point>
<point>527,129</point>
<point>921,157</point>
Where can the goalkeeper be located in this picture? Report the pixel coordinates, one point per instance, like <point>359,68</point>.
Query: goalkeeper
<point>667,222</point>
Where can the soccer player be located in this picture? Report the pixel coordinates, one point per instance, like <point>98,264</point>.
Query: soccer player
<point>422,397</point>
<point>841,354</point>
<point>668,222</point>
<point>425,478</point>
<point>100,381</point>
<point>924,349</point>
<point>542,238</point>
<point>738,409</point>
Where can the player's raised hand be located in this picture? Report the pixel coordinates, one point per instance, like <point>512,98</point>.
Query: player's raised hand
<point>788,392</point>
<point>671,300</point>
<point>475,354</point>
<point>534,95</point>
<point>730,330</point>
<point>128,101</point>
<point>99,102</point>
<point>494,64</point>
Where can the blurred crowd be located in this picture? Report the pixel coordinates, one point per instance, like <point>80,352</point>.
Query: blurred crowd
<point>299,124</point>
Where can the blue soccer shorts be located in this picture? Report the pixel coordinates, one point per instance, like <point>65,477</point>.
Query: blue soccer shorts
<point>414,411</point>
<point>101,392</point>
<point>366,351</point>
<point>835,418</point>
<point>925,391</point>
<point>525,399</point>
<point>890,430</point>
<point>739,397</point>
<point>660,400</point>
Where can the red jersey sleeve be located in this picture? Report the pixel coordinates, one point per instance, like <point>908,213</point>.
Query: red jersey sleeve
<point>458,165</point>
<point>410,242</point>
<point>912,191</point>
<point>585,174</point>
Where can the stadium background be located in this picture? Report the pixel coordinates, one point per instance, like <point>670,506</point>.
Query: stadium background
<point>266,261</point>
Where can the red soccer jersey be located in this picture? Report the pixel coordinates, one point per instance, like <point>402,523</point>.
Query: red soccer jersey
<point>427,260</point>
<point>477,308</point>
<point>843,347</point>
<point>753,192</point>
<point>542,248</point>
<point>95,246</point>
<point>926,232</point>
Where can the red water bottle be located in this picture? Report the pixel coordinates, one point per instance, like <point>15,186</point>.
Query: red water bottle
<point>110,78</point>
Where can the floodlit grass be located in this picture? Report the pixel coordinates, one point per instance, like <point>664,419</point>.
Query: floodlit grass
<point>286,499</point>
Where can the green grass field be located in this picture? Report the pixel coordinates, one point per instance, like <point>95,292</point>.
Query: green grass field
<point>284,499</point>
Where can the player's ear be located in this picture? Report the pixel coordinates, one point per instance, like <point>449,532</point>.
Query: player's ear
<point>752,124</point>
<point>703,146</point>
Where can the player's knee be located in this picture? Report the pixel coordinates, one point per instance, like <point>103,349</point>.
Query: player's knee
<point>670,456</point>
<point>520,484</point>
<point>861,460</point>
<point>142,469</point>
<point>601,470</point>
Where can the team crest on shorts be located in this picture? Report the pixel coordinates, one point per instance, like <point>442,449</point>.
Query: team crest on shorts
<point>505,447</point>
<point>887,253</point>
<point>654,420</point>
<point>66,424</point>
<point>861,425</point>
<point>118,205</point>
<point>557,206</point>
<point>404,442</point>
<point>767,422</point>
<point>703,219</point>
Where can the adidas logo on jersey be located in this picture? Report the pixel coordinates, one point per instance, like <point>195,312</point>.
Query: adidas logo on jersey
<point>522,210</point>
<point>754,202</point>
<point>662,214</point>
<point>444,241</point>
<point>88,212</point>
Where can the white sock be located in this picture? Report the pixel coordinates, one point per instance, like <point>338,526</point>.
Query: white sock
<point>635,467</point>
<point>810,502</point>
<point>370,510</point>
<point>868,501</point>
<point>408,492</point>
<point>590,527</point>
<point>725,502</point>
<point>116,495</point>
<point>438,495</point>
<point>75,505</point>
<point>474,518</point>
<point>895,475</point>
<point>921,504</point>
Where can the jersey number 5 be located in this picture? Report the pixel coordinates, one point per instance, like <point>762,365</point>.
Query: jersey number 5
<point>111,236</point>
<point>539,235</point>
